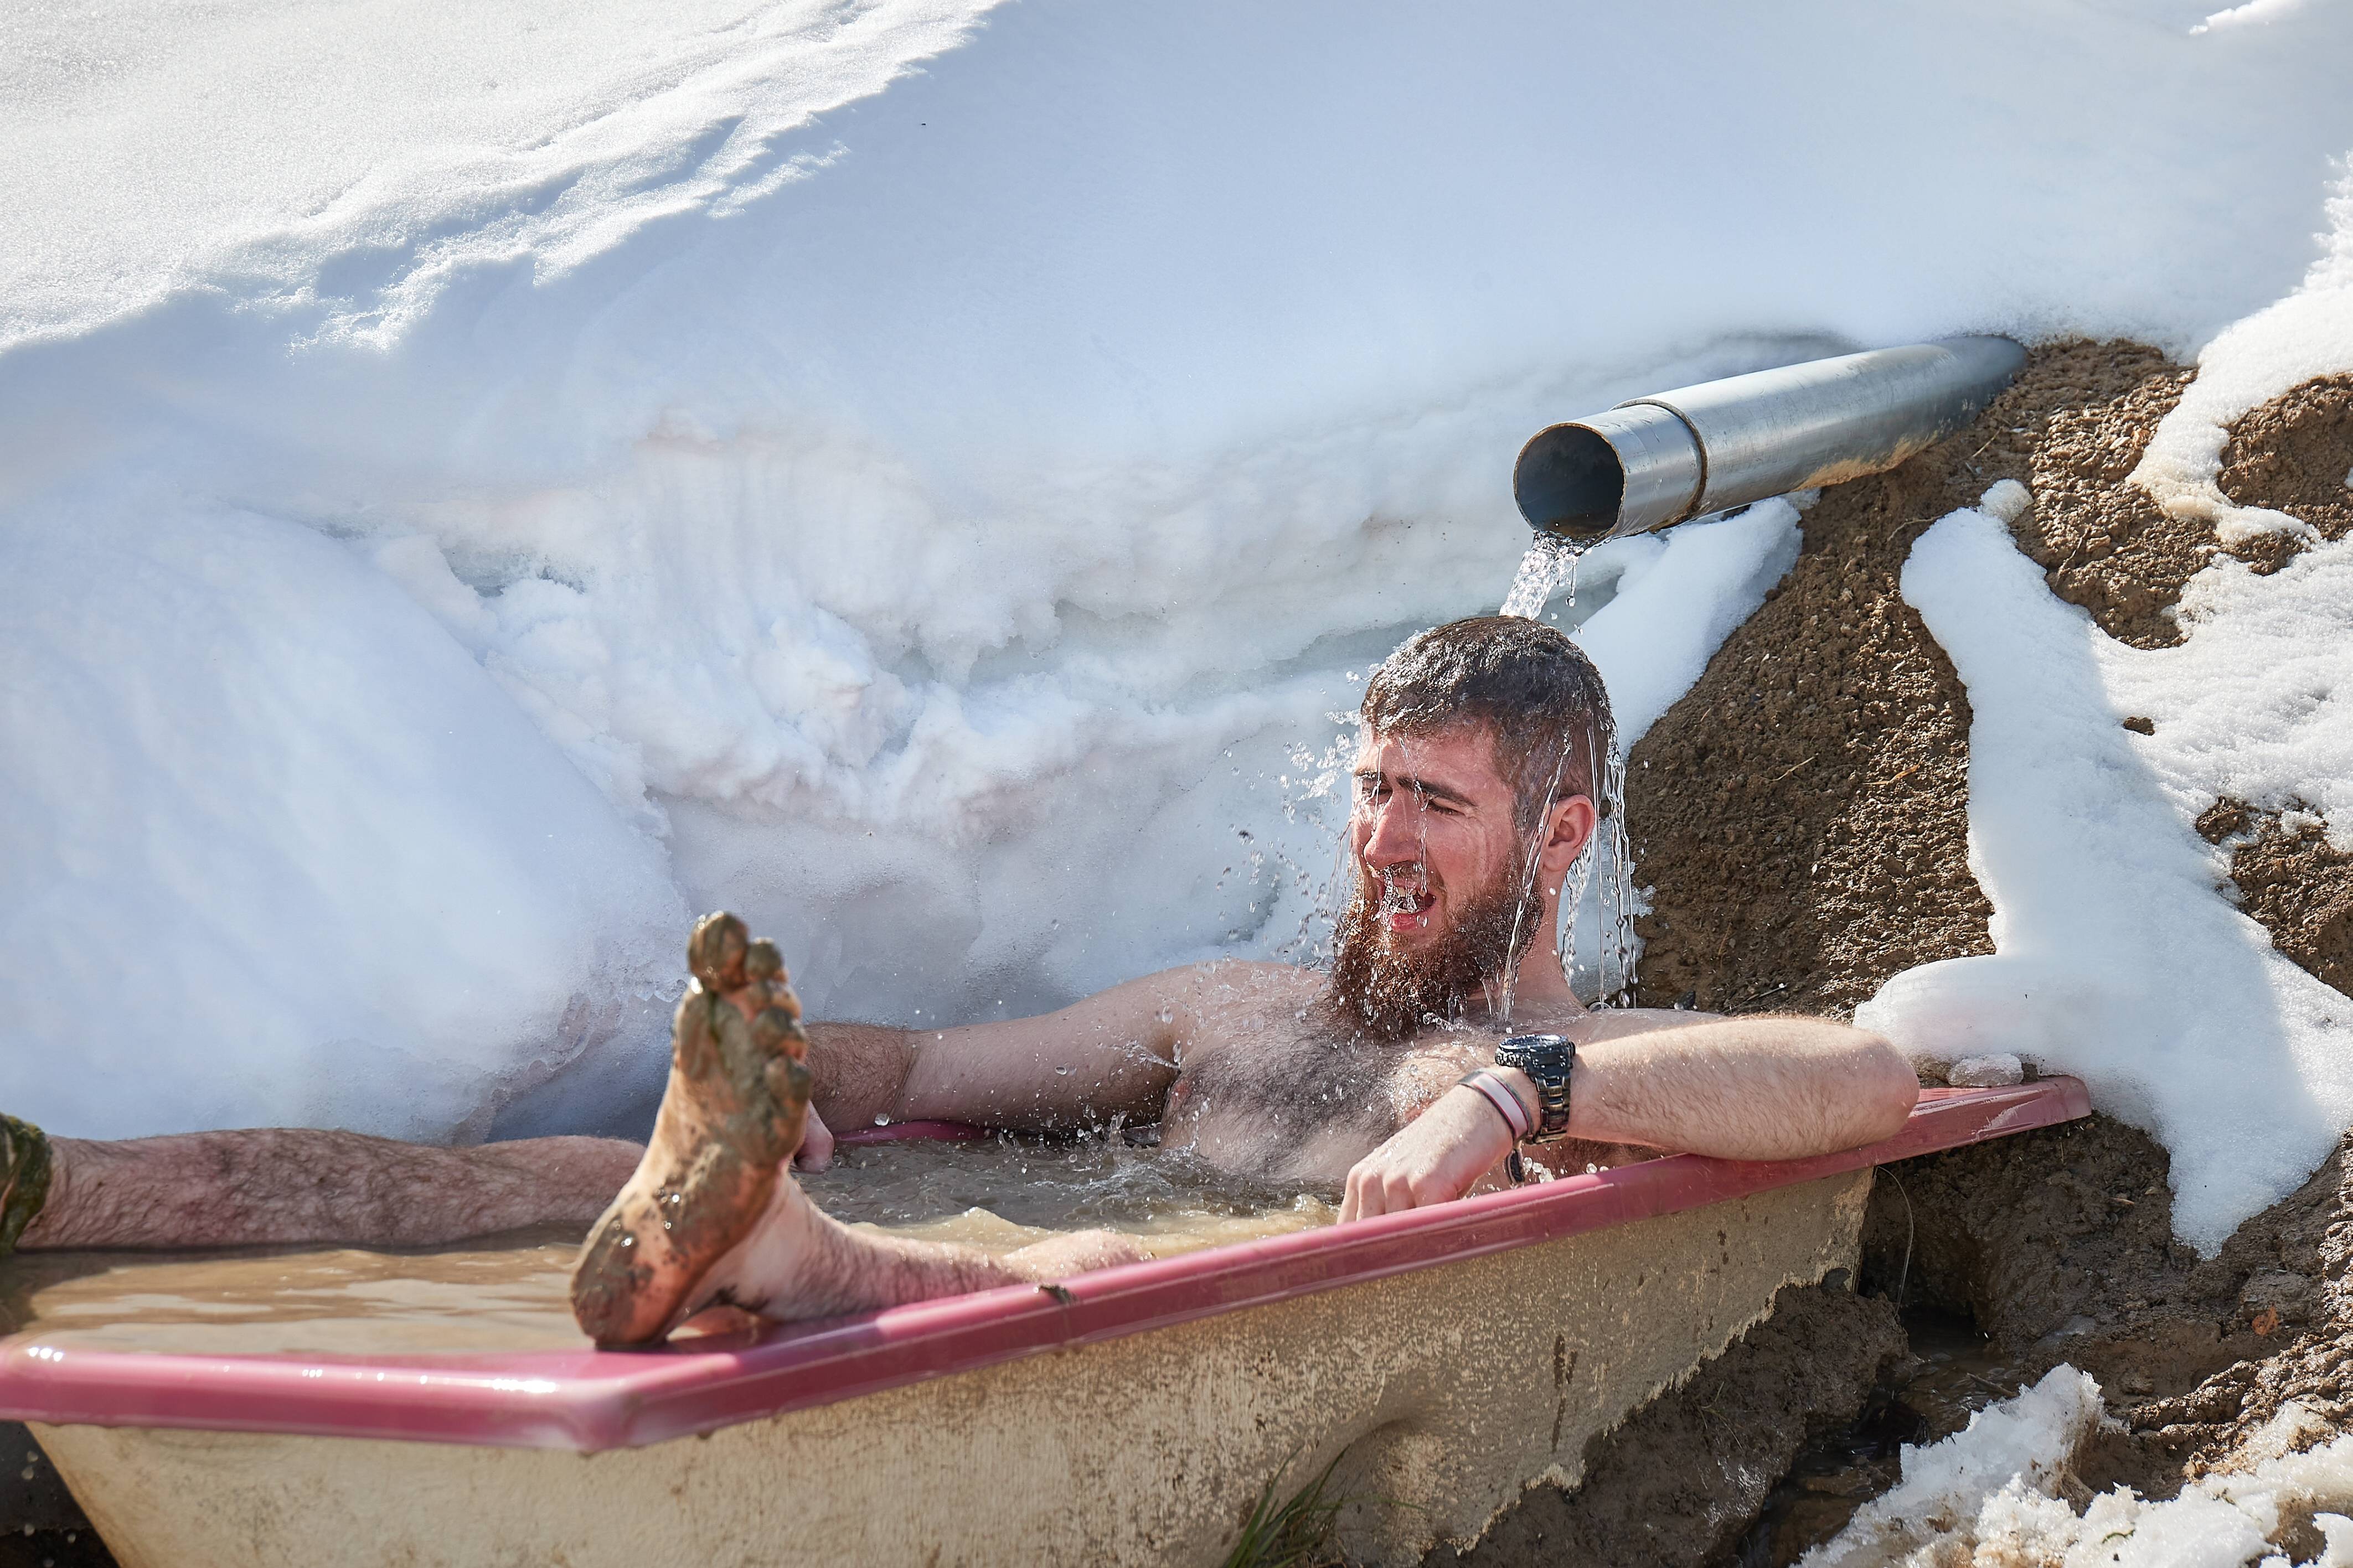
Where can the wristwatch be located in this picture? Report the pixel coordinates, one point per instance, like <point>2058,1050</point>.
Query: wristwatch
<point>1549,1060</point>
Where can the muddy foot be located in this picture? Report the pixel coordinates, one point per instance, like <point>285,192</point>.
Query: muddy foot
<point>731,1119</point>
<point>24,1178</point>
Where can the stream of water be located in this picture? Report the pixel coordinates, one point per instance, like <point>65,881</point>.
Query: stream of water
<point>1547,568</point>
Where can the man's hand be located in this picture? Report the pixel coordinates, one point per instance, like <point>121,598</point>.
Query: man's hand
<point>816,1152</point>
<point>1434,1157</point>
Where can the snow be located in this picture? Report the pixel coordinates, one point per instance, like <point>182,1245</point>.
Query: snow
<point>2021,1444</point>
<point>1988,1495</point>
<point>278,852</point>
<point>933,474</point>
<point>2118,953</point>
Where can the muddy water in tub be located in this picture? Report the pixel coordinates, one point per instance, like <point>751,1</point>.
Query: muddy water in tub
<point>508,1293</point>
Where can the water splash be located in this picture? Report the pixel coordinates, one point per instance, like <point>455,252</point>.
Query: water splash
<point>1605,867</point>
<point>1550,561</point>
<point>1535,856</point>
<point>1617,945</point>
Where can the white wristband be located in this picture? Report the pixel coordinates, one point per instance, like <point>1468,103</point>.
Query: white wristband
<point>1507,1104</point>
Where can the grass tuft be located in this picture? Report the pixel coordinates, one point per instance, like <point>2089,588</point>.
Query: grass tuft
<point>1297,1533</point>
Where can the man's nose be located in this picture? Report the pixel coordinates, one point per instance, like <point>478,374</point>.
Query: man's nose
<point>1396,836</point>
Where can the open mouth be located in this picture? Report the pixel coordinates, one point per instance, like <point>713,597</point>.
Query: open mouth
<point>1406,898</point>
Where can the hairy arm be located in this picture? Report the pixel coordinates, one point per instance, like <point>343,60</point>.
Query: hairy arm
<point>1113,1054</point>
<point>1758,1087</point>
<point>1755,1088</point>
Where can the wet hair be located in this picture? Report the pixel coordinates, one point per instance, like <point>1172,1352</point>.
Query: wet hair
<point>1535,690</point>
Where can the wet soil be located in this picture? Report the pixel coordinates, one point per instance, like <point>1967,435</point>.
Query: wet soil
<point>1951,1373</point>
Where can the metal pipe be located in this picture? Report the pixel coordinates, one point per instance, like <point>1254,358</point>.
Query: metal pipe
<point>1654,461</point>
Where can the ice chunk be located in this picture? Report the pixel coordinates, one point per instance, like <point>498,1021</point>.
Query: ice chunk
<point>1986,1072</point>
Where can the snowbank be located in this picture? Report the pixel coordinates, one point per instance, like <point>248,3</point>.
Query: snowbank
<point>2023,1444</point>
<point>278,852</point>
<point>1987,1495</point>
<point>933,479</point>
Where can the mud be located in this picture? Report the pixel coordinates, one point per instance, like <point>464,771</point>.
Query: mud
<point>1801,815</point>
<point>1676,1484</point>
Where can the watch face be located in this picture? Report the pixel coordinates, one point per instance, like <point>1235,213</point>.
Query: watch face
<point>1536,1054</point>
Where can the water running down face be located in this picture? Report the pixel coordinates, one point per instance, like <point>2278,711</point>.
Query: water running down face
<point>1444,906</point>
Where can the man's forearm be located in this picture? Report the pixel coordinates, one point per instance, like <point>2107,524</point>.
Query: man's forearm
<point>1741,1089</point>
<point>861,1072</point>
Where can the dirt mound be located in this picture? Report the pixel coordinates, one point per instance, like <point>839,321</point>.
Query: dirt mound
<point>1802,818</point>
<point>1677,1483</point>
<point>1801,815</point>
<point>2101,543</point>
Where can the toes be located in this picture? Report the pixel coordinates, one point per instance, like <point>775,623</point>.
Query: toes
<point>774,1029</point>
<point>695,1053</point>
<point>790,1083</point>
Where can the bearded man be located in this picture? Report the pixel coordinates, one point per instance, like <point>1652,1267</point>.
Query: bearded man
<point>1444,1039</point>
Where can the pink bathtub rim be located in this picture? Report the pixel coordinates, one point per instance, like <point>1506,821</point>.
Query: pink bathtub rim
<point>588,1401</point>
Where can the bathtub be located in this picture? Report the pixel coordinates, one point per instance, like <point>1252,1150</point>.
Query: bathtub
<point>1448,1357</point>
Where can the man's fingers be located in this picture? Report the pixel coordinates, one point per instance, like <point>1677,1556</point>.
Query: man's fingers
<point>816,1152</point>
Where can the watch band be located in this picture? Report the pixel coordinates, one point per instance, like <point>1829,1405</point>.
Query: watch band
<point>1549,1061</point>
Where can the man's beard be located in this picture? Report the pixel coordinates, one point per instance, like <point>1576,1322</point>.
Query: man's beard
<point>1384,989</point>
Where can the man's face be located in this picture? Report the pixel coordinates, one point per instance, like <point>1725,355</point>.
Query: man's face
<point>1431,831</point>
<point>1440,876</point>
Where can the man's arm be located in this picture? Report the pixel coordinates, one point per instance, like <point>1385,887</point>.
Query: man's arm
<point>1113,1054</point>
<point>1765,1088</point>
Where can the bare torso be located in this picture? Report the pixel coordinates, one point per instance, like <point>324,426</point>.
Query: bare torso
<point>1270,1086</point>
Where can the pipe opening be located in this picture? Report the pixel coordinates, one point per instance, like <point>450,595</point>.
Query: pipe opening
<point>1570,482</point>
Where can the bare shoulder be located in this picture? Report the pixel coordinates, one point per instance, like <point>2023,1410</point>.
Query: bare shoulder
<point>1228,985</point>
<point>1210,993</point>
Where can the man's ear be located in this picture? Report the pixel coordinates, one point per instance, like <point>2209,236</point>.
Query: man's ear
<point>1567,826</point>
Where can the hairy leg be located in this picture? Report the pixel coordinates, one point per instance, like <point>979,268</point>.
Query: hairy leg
<point>800,1262</point>
<point>267,1185</point>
